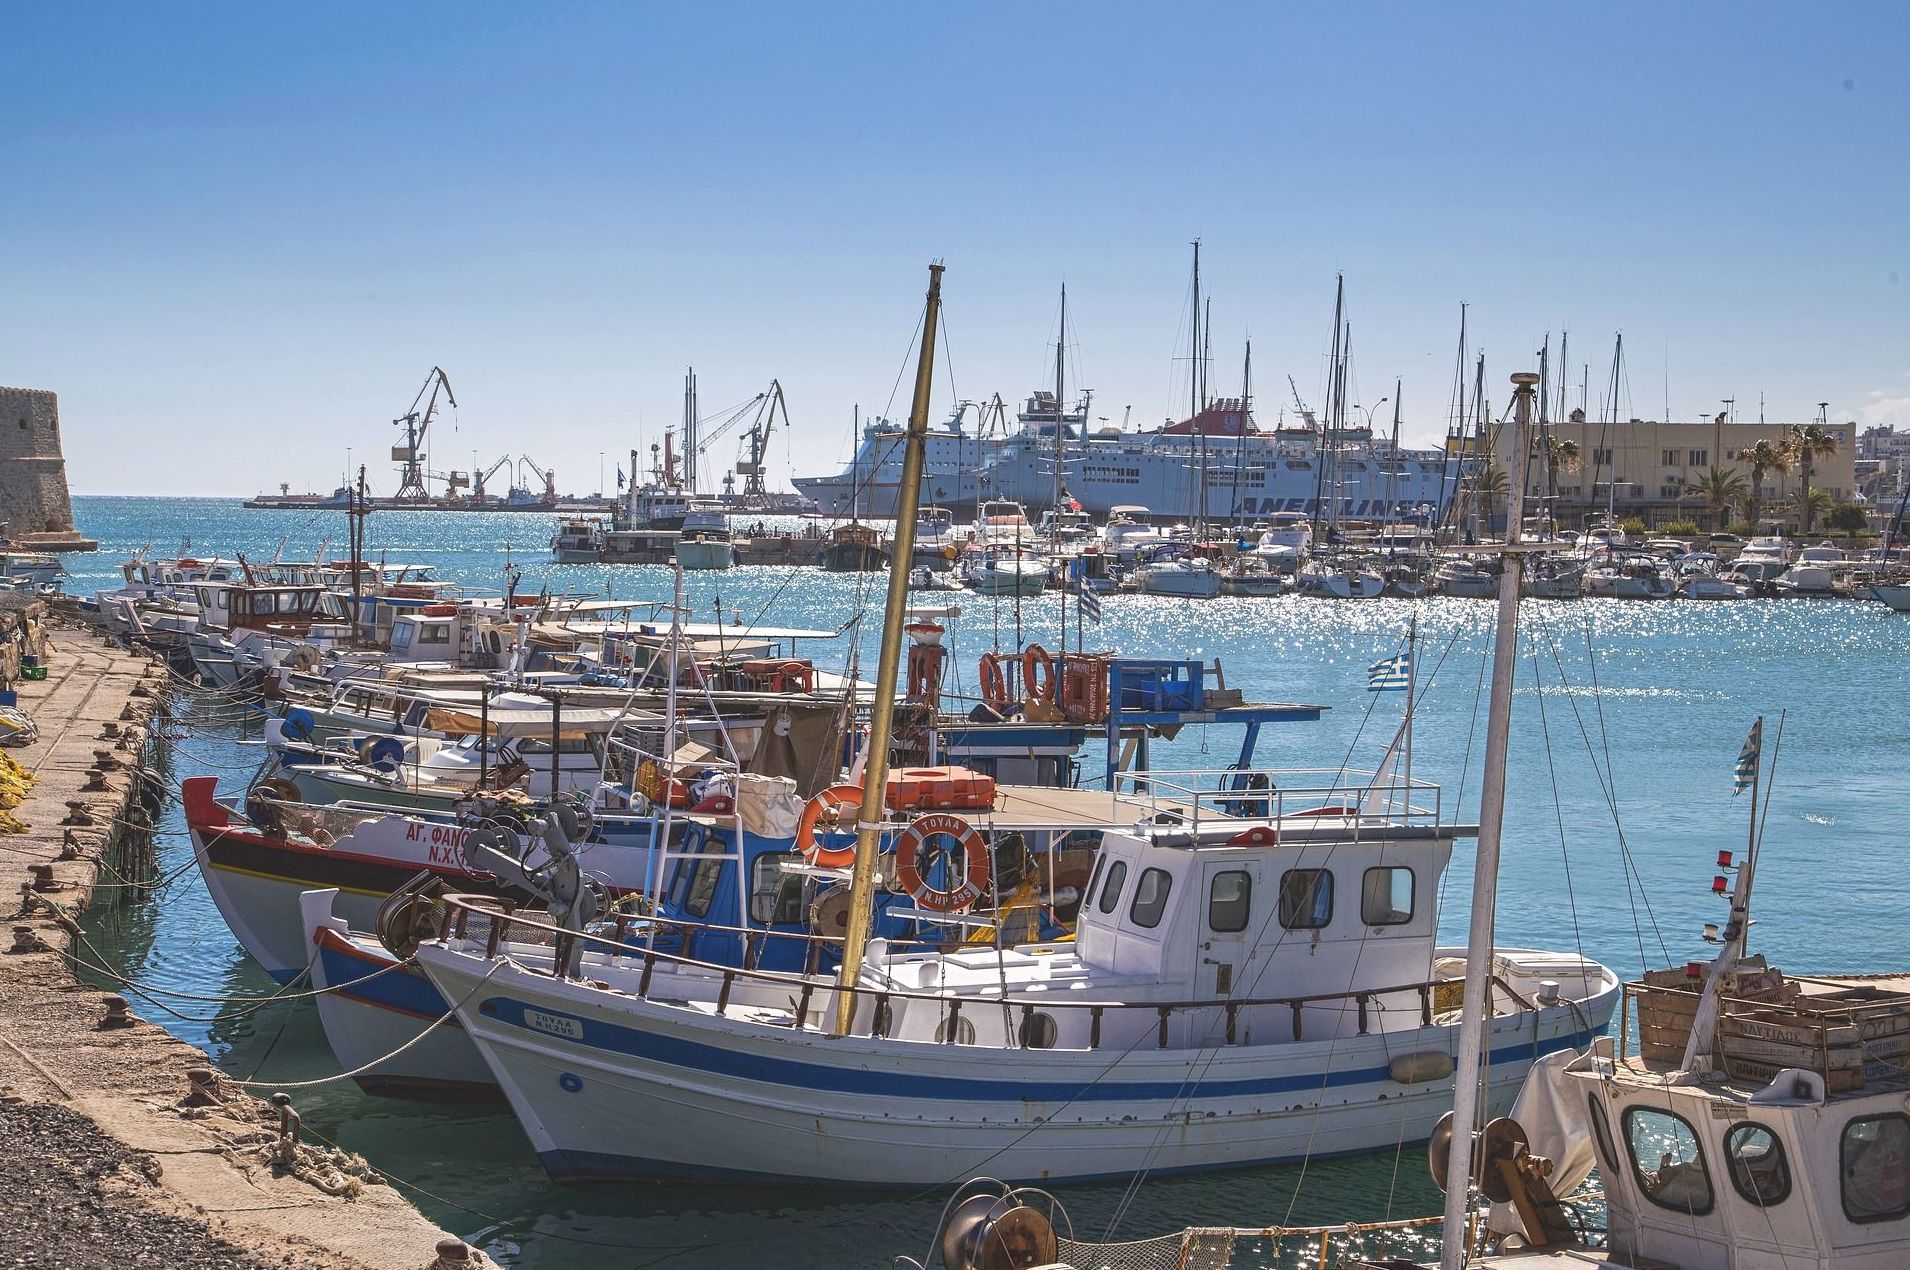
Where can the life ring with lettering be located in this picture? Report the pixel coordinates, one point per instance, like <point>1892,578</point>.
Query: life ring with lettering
<point>824,813</point>
<point>958,897</point>
<point>994,682</point>
<point>1037,673</point>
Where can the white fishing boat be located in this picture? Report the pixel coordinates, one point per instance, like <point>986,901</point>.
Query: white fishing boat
<point>1005,569</point>
<point>937,543</point>
<point>703,542</point>
<point>1250,977</point>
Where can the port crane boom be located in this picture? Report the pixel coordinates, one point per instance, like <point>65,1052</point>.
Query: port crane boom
<point>549,478</point>
<point>410,455</point>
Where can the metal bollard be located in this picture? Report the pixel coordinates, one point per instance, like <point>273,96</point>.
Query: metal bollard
<point>27,940</point>
<point>43,879</point>
<point>119,1013</point>
<point>77,813</point>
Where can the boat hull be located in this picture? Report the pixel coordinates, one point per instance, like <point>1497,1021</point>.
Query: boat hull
<point>617,1087</point>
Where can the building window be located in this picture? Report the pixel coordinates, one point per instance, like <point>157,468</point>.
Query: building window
<point>1670,491</point>
<point>1875,1168</point>
<point>1306,899</point>
<point>1700,458</point>
<point>1386,896</point>
<point>1755,1159</point>
<point>1150,898</point>
<point>1229,897</point>
<point>1670,458</point>
<point>1666,1161</point>
<point>1601,458</point>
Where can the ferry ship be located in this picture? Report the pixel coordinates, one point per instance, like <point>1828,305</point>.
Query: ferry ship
<point>1248,473</point>
<point>952,460</point>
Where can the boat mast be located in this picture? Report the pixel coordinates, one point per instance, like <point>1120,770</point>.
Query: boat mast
<point>1700,1047</point>
<point>1475,1020</point>
<point>1193,398</point>
<point>1240,432</point>
<point>875,771</point>
<point>1326,417</point>
<point>1060,414</point>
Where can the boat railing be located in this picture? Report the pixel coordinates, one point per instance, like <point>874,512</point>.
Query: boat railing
<point>1334,799</point>
<point>503,931</point>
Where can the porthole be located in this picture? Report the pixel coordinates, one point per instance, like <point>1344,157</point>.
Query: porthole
<point>964,1031</point>
<point>1039,1031</point>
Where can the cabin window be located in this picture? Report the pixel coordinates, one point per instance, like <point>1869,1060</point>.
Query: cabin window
<point>400,638</point>
<point>695,887</point>
<point>1111,889</point>
<point>1150,898</point>
<point>1386,896</point>
<point>1666,1161</point>
<point>436,633</point>
<point>1038,1031</point>
<point>1755,1159</point>
<point>1875,1168</point>
<point>1094,879</point>
<point>1602,1132</point>
<point>1306,899</point>
<point>775,897</point>
<point>1229,898</point>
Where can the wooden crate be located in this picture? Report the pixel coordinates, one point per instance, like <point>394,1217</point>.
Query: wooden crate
<point>1849,1037</point>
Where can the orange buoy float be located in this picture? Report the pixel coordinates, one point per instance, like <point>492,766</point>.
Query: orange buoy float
<point>1037,673</point>
<point>958,897</point>
<point>825,811</point>
<point>994,682</point>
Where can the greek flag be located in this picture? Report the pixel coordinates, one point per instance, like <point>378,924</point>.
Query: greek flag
<point>1090,603</point>
<point>1392,675</point>
<point>1746,774</point>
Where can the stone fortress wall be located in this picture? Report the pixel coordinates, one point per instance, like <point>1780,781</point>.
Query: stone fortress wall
<point>36,511</point>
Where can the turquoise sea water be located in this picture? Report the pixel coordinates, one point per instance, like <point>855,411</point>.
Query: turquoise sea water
<point>1628,720</point>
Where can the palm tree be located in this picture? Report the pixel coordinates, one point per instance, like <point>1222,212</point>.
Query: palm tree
<point>1765,457</point>
<point>1491,485</point>
<point>1561,456</point>
<point>1721,489</point>
<point>1809,443</point>
<point>1817,502</point>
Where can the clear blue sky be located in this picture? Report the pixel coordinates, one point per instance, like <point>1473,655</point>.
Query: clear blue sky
<point>234,238</point>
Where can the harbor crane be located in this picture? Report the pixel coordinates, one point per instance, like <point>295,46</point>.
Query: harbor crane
<point>410,455</point>
<point>549,478</point>
<point>753,453</point>
<point>480,477</point>
<point>1305,414</point>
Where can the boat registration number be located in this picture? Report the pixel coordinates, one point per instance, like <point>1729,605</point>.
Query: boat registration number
<point>554,1024</point>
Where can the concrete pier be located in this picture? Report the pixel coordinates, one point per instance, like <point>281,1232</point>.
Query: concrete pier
<point>97,1100</point>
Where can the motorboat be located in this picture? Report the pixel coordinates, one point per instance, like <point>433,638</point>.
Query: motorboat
<point>1004,569</point>
<point>1340,579</point>
<point>1409,575</point>
<point>936,542</point>
<point>1249,575</point>
<point>1192,577</point>
<point>703,542</point>
<point>1466,578</point>
<point>577,541</point>
<point>1129,531</point>
<point>1554,576</point>
<point>1630,576</point>
<point>1285,541</point>
<point>1696,575</point>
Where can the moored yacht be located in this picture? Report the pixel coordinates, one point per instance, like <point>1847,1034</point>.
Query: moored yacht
<point>703,542</point>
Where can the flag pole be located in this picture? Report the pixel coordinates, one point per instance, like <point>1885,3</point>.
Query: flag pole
<point>1699,1055</point>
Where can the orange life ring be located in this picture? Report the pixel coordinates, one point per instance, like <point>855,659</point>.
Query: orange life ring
<point>828,805</point>
<point>960,897</point>
<point>794,676</point>
<point>994,682</point>
<point>1040,687</point>
<point>1258,836</point>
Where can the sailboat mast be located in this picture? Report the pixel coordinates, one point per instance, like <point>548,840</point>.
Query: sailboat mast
<point>1240,433</point>
<point>875,772</point>
<point>1193,393</point>
<point>1060,344</point>
<point>1474,1016</point>
<point>1326,417</point>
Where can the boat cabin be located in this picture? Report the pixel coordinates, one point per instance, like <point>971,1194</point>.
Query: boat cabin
<point>277,610</point>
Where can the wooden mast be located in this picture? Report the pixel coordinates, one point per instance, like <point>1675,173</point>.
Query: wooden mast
<point>875,771</point>
<point>1475,1019</point>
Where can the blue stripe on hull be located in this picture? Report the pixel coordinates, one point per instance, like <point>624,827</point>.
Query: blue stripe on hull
<point>713,1060</point>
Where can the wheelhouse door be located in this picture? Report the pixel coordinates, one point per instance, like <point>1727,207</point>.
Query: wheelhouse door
<point>1228,916</point>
